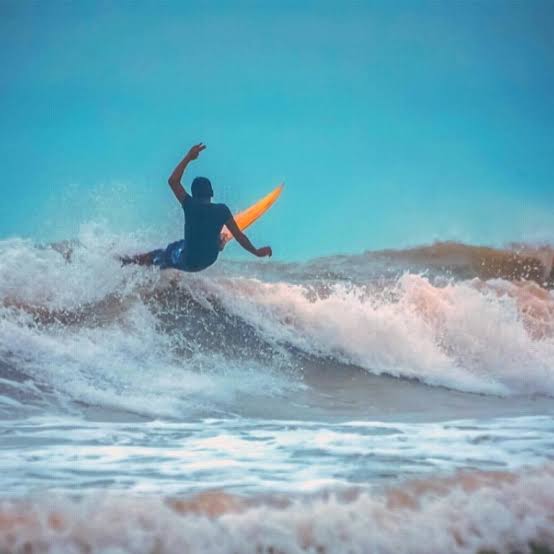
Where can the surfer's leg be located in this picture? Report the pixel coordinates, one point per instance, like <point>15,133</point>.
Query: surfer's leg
<point>149,258</point>
<point>171,256</point>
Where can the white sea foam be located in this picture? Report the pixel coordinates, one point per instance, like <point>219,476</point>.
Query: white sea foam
<point>470,336</point>
<point>467,513</point>
<point>241,454</point>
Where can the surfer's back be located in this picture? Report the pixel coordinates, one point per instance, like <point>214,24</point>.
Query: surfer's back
<point>203,224</point>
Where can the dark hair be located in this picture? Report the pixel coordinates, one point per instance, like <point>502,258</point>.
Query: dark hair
<point>201,188</point>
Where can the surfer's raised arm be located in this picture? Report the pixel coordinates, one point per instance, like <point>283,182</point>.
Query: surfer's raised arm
<point>175,178</point>
<point>244,241</point>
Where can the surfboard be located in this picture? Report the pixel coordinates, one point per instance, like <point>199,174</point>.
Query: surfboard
<point>246,217</point>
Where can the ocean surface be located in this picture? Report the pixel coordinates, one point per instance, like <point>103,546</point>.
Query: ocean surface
<point>387,402</point>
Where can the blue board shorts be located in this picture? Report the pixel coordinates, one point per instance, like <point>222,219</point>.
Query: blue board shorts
<point>171,256</point>
<point>174,256</point>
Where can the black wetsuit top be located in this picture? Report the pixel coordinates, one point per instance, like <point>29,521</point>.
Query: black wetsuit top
<point>203,224</point>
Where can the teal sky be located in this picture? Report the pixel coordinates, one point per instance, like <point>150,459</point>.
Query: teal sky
<point>392,123</point>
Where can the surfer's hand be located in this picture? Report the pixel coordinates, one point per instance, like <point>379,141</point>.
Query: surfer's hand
<point>264,251</point>
<point>195,151</point>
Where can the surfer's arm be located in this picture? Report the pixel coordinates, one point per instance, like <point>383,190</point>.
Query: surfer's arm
<point>244,241</point>
<point>175,178</point>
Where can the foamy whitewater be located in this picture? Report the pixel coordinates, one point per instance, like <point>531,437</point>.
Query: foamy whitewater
<point>396,401</point>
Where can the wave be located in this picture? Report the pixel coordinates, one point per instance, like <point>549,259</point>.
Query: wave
<point>451,259</point>
<point>492,337</point>
<point>163,344</point>
<point>517,262</point>
<point>468,512</point>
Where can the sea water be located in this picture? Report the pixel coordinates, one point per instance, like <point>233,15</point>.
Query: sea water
<point>388,402</point>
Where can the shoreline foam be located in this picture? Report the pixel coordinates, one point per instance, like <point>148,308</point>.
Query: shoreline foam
<point>467,512</point>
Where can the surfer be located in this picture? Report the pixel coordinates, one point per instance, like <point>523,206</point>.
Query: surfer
<point>204,221</point>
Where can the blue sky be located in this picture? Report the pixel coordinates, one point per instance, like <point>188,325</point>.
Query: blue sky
<point>392,123</point>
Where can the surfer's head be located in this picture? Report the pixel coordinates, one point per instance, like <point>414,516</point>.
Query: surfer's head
<point>201,188</point>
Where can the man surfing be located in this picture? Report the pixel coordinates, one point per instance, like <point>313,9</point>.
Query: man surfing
<point>204,221</point>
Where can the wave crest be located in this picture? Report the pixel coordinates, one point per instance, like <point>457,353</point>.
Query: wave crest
<point>107,335</point>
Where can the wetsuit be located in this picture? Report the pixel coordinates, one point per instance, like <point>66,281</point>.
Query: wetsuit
<point>200,247</point>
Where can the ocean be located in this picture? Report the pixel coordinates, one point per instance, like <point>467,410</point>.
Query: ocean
<point>389,402</point>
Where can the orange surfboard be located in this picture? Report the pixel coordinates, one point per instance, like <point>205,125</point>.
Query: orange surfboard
<point>245,218</point>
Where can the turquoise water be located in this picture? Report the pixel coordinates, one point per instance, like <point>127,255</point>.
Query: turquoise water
<point>392,124</point>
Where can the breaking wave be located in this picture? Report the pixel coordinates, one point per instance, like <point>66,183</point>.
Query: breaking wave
<point>77,327</point>
<point>469,512</point>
